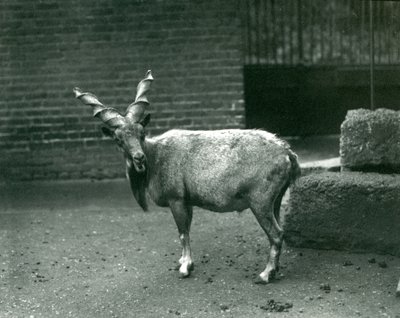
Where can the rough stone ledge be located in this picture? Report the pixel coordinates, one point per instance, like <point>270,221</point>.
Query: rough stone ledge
<point>345,211</point>
<point>370,140</point>
<point>332,164</point>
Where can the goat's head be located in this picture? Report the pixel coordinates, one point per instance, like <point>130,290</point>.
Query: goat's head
<point>127,130</point>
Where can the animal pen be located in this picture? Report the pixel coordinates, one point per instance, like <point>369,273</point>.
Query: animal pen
<point>308,62</point>
<point>75,243</point>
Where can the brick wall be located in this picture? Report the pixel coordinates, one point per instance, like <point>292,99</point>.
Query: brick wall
<point>105,46</point>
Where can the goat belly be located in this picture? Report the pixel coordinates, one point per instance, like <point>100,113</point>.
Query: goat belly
<point>218,197</point>
<point>221,206</point>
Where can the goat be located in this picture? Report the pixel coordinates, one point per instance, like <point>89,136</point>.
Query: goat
<point>220,170</point>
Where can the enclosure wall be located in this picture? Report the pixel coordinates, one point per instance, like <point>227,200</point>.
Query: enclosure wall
<point>105,47</point>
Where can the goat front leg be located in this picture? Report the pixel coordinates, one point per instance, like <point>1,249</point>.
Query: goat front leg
<point>398,289</point>
<point>183,219</point>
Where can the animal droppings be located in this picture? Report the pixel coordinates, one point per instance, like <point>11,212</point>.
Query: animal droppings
<point>276,306</point>
<point>347,263</point>
<point>382,264</point>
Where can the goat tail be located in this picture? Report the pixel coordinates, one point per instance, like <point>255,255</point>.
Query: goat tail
<point>295,170</point>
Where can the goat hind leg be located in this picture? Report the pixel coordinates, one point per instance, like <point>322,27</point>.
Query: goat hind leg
<point>183,219</point>
<point>277,206</point>
<point>270,225</point>
<point>398,289</point>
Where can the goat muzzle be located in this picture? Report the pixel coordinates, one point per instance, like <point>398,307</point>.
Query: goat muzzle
<point>139,162</point>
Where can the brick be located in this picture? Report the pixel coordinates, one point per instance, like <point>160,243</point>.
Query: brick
<point>105,47</point>
<point>47,6</point>
<point>353,211</point>
<point>36,146</point>
<point>370,140</point>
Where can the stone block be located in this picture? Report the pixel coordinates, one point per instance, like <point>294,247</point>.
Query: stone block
<point>370,140</point>
<point>345,211</point>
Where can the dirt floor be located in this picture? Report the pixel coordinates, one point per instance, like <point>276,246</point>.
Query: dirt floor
<point>85,249</point>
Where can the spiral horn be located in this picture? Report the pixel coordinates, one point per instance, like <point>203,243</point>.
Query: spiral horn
<point>135,111</point>
<point>110,116</point>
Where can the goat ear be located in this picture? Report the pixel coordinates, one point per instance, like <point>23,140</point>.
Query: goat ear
<point>145,120</point>
<point>107,132</point>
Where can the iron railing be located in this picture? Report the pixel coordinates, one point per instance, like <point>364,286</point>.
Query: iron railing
<point>320,32</point>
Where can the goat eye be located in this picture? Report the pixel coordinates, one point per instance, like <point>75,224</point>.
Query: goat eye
<point>119,142</point>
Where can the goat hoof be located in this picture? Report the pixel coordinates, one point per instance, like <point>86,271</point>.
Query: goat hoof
<point>266,277</point>
<point>184,274</point>
<point>185,270</point>
<point>260,281</point>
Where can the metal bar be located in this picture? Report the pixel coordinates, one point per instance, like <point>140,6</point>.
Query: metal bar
<point>360,60</point>
<point>312,32</point>
<point>300,30</point>
<point>249,39</point>
<point>243,22</point>
<point>321,34</point>
<point>379,25</point>
<point>341,36</point>
<point>291,11</point>
<point>348,23</point>
<point>282,26</point>
<point>384,35</point>
<point>352,58</point>
<point>266,31</point>
<point>388,35</point>
<point>257,26</point>
<point>330,53</point>
<point>273,30</point>
<point>371,54</point>
<point>398,35</point>
<point>306,32</point>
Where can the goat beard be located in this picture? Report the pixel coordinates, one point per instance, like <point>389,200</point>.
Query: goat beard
<point>138,185</point>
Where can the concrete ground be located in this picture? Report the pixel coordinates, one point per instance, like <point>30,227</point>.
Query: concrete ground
<point>85,249</point>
